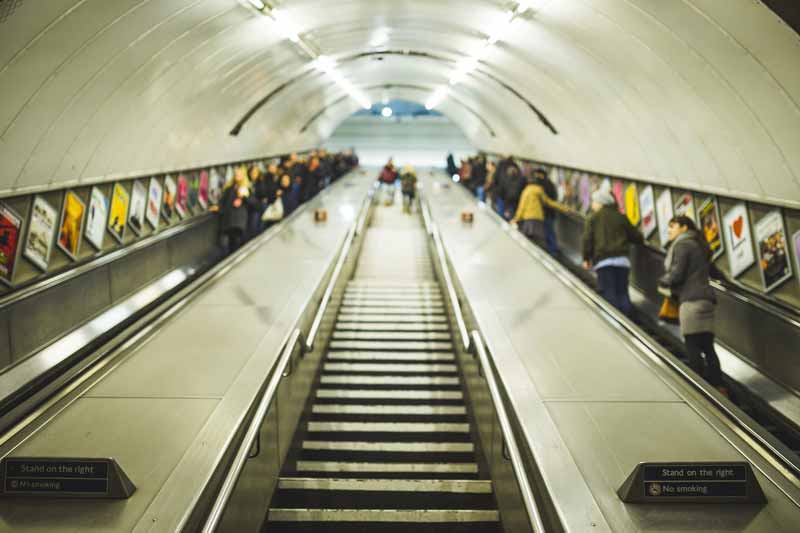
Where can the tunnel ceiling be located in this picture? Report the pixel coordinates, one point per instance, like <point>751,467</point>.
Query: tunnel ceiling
<point>696,93</point>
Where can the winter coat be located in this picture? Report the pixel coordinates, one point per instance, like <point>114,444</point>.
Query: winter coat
<point>408,182</point>
<point>233,218</point>
<point>687,269</point>
<point>608,233</point>
<point>550,191</point>
<point>532,202</point>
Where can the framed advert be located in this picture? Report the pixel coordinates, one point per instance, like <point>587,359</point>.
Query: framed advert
<point>10,232</point>
<point>796,247</point>
<point>584,191</point>
<point>215,187</point>
<point>773,253</point>
<point>137,207</point>
<point>738,241</point>
<point>685,206</point>
<point>618,190</point>
<point>96,218</point>
<point>664,215</point>
<point>182,197</point>
<point>169,193</point>
<point>73,216</point>
<point>41,232</point>
<point>118,214</point>
<point>154,194</point>
<point>193,192</point>
<point>632,204</point>
<point>708,222</point>
<point>647,209</point>
<point>202,193</point>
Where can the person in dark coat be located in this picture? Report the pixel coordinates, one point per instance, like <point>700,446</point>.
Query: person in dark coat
<point>540,178</point>
<point>234,204</point>
<point>258,203</point>
<point>452,169</point>
<point>688,267</point>
<point>607,237</point>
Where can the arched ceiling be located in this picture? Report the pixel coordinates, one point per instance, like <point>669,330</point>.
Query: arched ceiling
<point>696,93</point>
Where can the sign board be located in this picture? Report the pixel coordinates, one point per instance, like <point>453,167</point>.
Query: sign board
<point>64,478</point>
<point>711,482</point>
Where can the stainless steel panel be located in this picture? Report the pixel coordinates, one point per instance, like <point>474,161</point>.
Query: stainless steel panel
<point>147,436</point>
<point>138,269</point>
<point>39,319</point>
<point>5,341</point>
<point>657,432</point>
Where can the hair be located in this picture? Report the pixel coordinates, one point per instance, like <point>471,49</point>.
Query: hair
<point>697,236</point>
<point>540,172</point>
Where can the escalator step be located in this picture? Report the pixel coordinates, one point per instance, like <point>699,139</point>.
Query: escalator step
<point>409,410</point>
<point>392,356</point>
<point>383,499</point>
<point>455,447</point>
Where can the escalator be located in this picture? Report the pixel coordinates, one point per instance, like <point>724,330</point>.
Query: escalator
<point>387,442</point>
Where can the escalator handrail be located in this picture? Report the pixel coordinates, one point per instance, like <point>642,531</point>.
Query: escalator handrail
<point>326,297</point>
<point>528,499</point>
<point>451,290</point>
<point>242,453</point>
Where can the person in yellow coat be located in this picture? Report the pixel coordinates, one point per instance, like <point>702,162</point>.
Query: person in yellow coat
<point>530,211</point>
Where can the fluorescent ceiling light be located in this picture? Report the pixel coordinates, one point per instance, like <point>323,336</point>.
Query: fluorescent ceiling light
<point>437,97</point>
<point>328,66</point>
<point>387,111</point>
<point>285,26</point>
<point>258,4</point>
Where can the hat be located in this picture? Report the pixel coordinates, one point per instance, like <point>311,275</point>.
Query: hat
<point>603,197</point>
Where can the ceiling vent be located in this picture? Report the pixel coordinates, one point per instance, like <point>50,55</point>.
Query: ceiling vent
<point>7,8</point>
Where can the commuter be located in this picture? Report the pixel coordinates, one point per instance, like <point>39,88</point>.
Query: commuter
<point>549,214</point>
<point>408,185</point>
<point>387,177</point>
<point>234,206</point>
<point>688,266</point>
<point>607,237</point>
<point>293,196</point>
<point>479,172</point>
<point>530,213</point>
<point>511,190</point>
<point>489,183</point>
<point>259,203</point>
<point>452,170</point>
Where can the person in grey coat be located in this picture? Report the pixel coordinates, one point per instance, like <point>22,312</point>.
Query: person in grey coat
<point>688,265</point>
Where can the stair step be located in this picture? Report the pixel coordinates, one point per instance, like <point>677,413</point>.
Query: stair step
<point>369,317</point>
<point>389,409</point>
<point>415,346</point>
<point>392,295</point>
<point>403,427</point>
<point>368,326</point>
<point>416,310</point>
<point>395,485</point>
<point>379,301</point>
<point>404,368</point>
<point>379,498</point>
<point>391,335</point>
<point>454,447</point>
<point>390,393</point>
<point>354,379</point>
<point>383,527</point>
<point>383,515</point>
<point>407,468</point>
<point>392,356</point>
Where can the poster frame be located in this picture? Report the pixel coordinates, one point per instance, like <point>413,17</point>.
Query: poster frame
<point>8,278</point>
<point>181,209</point>
<point>121,237</point>
<point>712,200</point>
<point>154,223</point>
<point>34,260</point>
<point>202,198</point>
<point>106,206</point>
<point>662,225</point>
<point>637,207</point>
<point>691,204</point>
<point>137,231</point>
<point>729,244</point>
<point>790,274</point>
<point>168,216</point>
<point>796,252</point>
<point>650,193</point>
<point>61,247</point>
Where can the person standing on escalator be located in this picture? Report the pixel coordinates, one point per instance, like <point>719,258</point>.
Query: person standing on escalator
<point>688,267</point>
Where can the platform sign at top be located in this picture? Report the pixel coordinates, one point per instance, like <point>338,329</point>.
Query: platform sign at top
<point>711,482</point>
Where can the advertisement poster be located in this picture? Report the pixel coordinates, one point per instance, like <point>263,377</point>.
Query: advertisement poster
<point>632,205</point>
<point>170,192</point>
<point>73,216</point>
<point>41,232</point>
<point>202,193</point>
<point>193,179</point>
<point>182,197</point>
<point>153,202</point>
<point>118,216</point>
<point>796,241</point>
<point>738,241</point>
<point>10,227</point>
<point>585,190</point>
<point>215,187</point>
<point>685,206</point>
<point>664,215</point>
<point>773,254</point>
<point>137,208</point>
<point>619,194</point>
<point>96,219</point>
<point>709,225</point>
<point>647,209</point>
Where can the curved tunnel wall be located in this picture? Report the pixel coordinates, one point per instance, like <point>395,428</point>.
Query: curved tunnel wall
<point>699,94</point>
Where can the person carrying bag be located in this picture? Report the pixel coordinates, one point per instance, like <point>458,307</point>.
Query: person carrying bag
<point>274,211</point>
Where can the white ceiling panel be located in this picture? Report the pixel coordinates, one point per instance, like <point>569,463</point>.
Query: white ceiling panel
<point>695,93</point>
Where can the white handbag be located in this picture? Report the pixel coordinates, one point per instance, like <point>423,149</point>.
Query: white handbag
<point>273,212</point>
